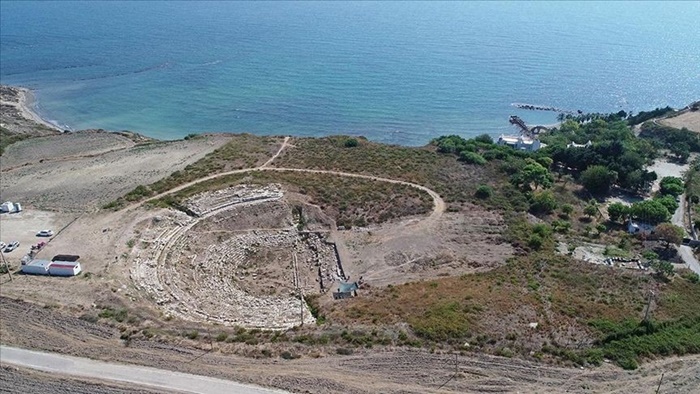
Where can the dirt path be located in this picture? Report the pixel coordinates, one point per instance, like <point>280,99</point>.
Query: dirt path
<point>438,202</point>
<point>284,145</point>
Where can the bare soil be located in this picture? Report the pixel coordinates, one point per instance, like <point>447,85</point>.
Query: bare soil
<point>408,250</point>
<point>77,182</point>
<point>389,371</point>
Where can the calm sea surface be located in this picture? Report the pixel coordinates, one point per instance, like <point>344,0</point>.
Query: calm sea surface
<point>395,72</point>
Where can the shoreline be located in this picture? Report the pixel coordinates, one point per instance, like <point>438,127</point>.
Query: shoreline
<point>26,105</point>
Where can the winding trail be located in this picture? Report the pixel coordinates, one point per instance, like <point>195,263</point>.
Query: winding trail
<point>438,203</point>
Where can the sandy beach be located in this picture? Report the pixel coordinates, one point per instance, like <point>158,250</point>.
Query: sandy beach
<point>23,101</point>
<point>25,104</point>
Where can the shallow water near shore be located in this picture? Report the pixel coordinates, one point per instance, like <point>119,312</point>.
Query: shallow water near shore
<point>399,73</point>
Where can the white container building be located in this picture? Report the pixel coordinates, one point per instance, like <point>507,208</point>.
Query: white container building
<point>64,268</point>
<point>37,267</point>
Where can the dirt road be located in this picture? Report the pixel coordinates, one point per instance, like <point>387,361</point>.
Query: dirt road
<point>438,202</point>
<point>143,376</point>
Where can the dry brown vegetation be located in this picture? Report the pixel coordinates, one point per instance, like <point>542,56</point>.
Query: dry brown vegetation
<point>242,151</point>
<point>492,310</point>
<point>329,369</point>
<point>454,181</point>
<point>350,201</point>
<point>688,119</point>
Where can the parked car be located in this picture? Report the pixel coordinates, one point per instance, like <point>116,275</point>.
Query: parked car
<point>45,233</point>
<point>12,246</point>
<point>2,245</point>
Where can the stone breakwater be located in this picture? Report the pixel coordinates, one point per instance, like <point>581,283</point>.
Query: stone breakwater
<point>534,107</point>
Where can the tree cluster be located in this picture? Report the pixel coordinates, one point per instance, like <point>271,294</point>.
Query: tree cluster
<point>679,141</point>
<point>643,116</point>
<point>615,157</point>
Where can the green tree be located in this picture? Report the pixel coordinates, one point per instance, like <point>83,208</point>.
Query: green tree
<point>545,161</point>
<point>682,152</point>
<point>669,202</point>
<point>484,139</point>
<point>617,211</point>
<point>590,210</point>
<point>598,179</point>
<point>543,202</point>
<point>670,233</point>
<point>650,211</point>
<point>663,268</point>
<point>672,186</point>
<point>535,173</point>
<point>600,228</point>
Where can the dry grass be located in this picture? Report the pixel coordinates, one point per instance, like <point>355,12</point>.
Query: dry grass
<point>243,151</point>
<point>350,201</point>
<point>689,120</point>
<point>454,181</point>
<point>494,308</point>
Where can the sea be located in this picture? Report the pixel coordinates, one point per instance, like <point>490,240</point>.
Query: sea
<point>394,72</point>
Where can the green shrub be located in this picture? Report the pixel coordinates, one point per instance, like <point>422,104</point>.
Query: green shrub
<point>351,143</point>
<point>535,242</point>
<point>692,277</point>
<point>472,158</point>
<point>543,202</point>
<point>442,322</point>
<point>483,191</point>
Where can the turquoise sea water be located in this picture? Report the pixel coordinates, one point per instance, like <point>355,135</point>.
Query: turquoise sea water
<point>394,72</point>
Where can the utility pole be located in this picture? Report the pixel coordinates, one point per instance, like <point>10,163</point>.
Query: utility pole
<point>7,267</point>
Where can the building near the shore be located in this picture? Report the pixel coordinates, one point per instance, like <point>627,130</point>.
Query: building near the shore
<point>520,142</point>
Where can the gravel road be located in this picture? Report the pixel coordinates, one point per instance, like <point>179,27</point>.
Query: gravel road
<point>144,376</point>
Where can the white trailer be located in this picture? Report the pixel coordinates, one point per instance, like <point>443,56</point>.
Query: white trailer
<point>64,268</point>
<point>37,267</point>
